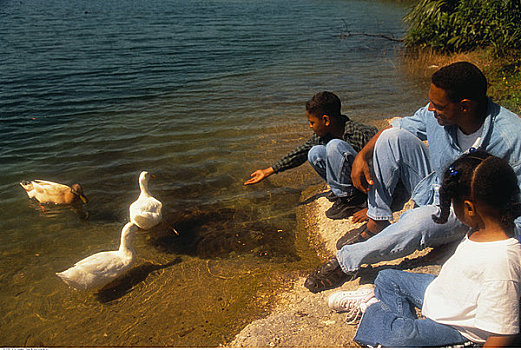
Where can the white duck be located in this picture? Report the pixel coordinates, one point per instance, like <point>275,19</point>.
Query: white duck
<point>145,212</point>
<point>52,192</point>
<point>100,269</point>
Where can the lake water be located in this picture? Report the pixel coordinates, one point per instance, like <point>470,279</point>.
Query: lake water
<point>199,93</point>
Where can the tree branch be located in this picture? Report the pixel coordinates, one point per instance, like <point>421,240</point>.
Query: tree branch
<point>347,33</point>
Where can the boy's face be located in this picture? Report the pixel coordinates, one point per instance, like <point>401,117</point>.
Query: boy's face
<point>320,125</point>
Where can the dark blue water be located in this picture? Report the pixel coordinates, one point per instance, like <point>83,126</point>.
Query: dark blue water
<point>200,93</point>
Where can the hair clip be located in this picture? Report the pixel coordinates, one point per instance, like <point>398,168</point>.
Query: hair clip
<point>453,171</point>
<point>472,150</point>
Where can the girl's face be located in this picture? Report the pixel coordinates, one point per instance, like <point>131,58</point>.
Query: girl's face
<point>457,204</point>
<point>465,211</point>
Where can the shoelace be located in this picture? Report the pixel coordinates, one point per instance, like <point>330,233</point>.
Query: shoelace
<point>354,316</point>
<point>355,311</point>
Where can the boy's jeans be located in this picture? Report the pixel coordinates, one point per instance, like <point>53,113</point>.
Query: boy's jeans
<point>399,155</point>
<point>333,163</point>
<point>392,322</point>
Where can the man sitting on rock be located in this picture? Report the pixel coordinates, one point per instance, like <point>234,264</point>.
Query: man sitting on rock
<point>458,117</point>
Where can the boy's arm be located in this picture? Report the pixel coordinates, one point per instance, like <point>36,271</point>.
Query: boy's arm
<point>259,175</point>
<point>500,341</point>
<point>293,159</point>
<point>360,171</point>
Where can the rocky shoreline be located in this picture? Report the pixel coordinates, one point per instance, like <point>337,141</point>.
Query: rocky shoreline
<point>302,319</point>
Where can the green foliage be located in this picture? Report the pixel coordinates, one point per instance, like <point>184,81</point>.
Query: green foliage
<point>463,25</point>
<point>505,83</point>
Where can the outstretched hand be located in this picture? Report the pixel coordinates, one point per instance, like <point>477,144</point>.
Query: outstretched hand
<point>259,175</point>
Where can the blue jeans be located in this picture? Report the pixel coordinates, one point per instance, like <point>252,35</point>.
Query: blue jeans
<point>399,155</point>
<point>392,322</point>
<point>333,163</point>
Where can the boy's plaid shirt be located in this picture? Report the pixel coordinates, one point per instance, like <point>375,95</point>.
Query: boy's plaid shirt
<point>356,134</point>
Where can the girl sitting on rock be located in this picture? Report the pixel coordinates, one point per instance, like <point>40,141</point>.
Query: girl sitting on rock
<point>475,298</point>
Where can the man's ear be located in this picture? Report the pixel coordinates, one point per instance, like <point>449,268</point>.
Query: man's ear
<point>327,119</point>
<point>466,105</point>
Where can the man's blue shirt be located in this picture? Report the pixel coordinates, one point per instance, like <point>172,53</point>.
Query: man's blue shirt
<point>501,136</point>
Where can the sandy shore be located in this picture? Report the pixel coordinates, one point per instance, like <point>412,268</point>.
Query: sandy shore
<point>303,319</point>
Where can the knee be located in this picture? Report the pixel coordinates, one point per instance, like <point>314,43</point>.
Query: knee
<point>337,147</point>
<point>385,277</point>
<point>420,220</point>
<point>392,135</point>
<point>316,153</point>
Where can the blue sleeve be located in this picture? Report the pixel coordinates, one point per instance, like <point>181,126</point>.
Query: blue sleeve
<point>517,170</point>
<point>416,124</point>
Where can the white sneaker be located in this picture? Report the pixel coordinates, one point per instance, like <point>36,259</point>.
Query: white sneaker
<point>365,305</point>
<point>345,300</point>
<point>351,302</point>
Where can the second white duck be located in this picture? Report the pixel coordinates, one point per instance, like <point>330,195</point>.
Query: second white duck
<point>145,212</point>
<point>102,268</point>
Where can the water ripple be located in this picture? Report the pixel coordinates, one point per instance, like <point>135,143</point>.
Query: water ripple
<point>198,92</point>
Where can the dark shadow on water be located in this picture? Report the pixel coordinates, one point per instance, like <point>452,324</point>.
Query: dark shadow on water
<point>104,216</point>
<point>313,198</point>
<point>218,232</point>
<point>135,276</point>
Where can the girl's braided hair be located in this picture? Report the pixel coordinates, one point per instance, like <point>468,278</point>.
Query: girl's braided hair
<point>483,178</point>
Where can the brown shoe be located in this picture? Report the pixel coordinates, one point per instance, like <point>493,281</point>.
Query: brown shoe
<point>356,235</point>
<point>327,276</point>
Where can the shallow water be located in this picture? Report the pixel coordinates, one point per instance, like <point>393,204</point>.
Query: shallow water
<point>200,93</point>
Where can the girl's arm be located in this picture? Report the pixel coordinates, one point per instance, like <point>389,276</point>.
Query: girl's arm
<point>500,341</point>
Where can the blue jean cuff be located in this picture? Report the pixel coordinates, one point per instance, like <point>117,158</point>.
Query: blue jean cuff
<point>343,266</point>
<point>379,217</point>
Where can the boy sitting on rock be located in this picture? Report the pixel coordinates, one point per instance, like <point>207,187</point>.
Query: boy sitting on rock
<point>331,150</point>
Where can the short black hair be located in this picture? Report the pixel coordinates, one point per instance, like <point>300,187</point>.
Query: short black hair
<point>324,102</point>
<point>484,178</point>
<point>462,80</point>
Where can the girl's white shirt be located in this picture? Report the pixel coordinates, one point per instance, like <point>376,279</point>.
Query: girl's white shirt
<point>478,289</point>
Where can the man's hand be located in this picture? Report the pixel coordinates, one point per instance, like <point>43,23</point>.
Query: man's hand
<point>259,175</point>
<point>361,174</point>
<point>361,171</point>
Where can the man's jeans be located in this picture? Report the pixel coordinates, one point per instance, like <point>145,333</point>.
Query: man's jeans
<point>333,163</point>
<point>399,155</point>
<point>392,322</point>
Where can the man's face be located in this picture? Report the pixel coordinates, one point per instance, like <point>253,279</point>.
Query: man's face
<point>320,125</point>
<point>445,111</point>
